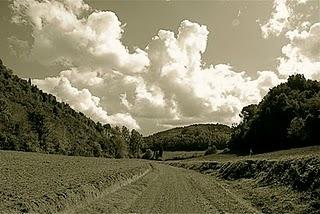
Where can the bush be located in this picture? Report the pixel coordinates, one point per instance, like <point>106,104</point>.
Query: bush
<point>225,151</point>
<point>211,150</point>
<point>148,154</point>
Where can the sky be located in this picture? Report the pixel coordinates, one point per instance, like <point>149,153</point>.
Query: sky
<point>153,65</point>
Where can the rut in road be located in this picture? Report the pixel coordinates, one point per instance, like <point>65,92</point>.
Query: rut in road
<point>167,189</point>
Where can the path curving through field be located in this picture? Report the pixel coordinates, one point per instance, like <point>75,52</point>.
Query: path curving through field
<point>167,189</point>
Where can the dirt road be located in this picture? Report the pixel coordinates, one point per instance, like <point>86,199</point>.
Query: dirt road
<point>167,189</point>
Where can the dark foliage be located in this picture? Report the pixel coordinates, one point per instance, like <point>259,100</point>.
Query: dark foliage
<point>31,120</point>
<point>190,138</point>
<point>211,150</point>
<point>287,117</point>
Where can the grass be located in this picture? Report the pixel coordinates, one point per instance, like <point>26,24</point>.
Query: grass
<point>285,181</point>
<point>33,182</point>
<point>271,199</point>
<point>278,182</point>
<point>277,155</point>
<point>181,155</point>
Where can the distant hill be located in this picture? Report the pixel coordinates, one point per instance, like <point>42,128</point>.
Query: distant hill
<point>31,120</point>
<point>194,137</point>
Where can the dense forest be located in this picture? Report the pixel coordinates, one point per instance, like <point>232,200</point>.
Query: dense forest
<point>196,137</point>
<point>287,117</point>
<point>31,120</point>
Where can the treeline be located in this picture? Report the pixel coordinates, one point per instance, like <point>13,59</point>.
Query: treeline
<point>196,137</point>
<point>33,121</point>
<point>287,117</point>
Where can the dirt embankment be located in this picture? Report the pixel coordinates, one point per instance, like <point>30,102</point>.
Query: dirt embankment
<point>299,174</point>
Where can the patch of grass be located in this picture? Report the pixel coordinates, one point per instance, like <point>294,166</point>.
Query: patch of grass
<point>33,182</point>
<point>277,155</point>
<point>181,155</point>
<point>270,199</point>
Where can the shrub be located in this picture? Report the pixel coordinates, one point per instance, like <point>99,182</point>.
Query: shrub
<point>211,150</point>
<point>148,154</point>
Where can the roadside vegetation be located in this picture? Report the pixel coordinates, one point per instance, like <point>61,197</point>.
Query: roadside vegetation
<point>181,155</point>
<point>276,155</point>
<point>286,181</point>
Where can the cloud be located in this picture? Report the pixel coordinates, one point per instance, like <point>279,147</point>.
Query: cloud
<point>192,91</point>
<point>302,54</point>
<point>62,33</point>
<point>278,20</point>
<point>282,17</point>
<point>18,47</point>
<point>83,101</point>
<point>167,82</point>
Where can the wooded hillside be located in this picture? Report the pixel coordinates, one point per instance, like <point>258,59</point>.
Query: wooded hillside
<point>31,120</point>
<point>191,138</point>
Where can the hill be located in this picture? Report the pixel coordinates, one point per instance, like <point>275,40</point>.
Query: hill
<point>190,138</point>
<point>33,121</point>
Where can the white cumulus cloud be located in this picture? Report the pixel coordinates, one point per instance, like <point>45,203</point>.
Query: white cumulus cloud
<point>282,17</point>
<point>83,101</point>
<point>302,54</point>
<point>278,20</point>
<point>167,81</point>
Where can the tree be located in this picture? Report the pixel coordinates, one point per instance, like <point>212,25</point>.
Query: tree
<point>296,131</point>
<point>125,134</point>
<point>97,150</point>
<point>135,144</point>
<point>38,122</point>
<point>297,82</point>
<point>288,116</point>
<point>119,144</point>
<point>248,112</point>
<point>3,105</point>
